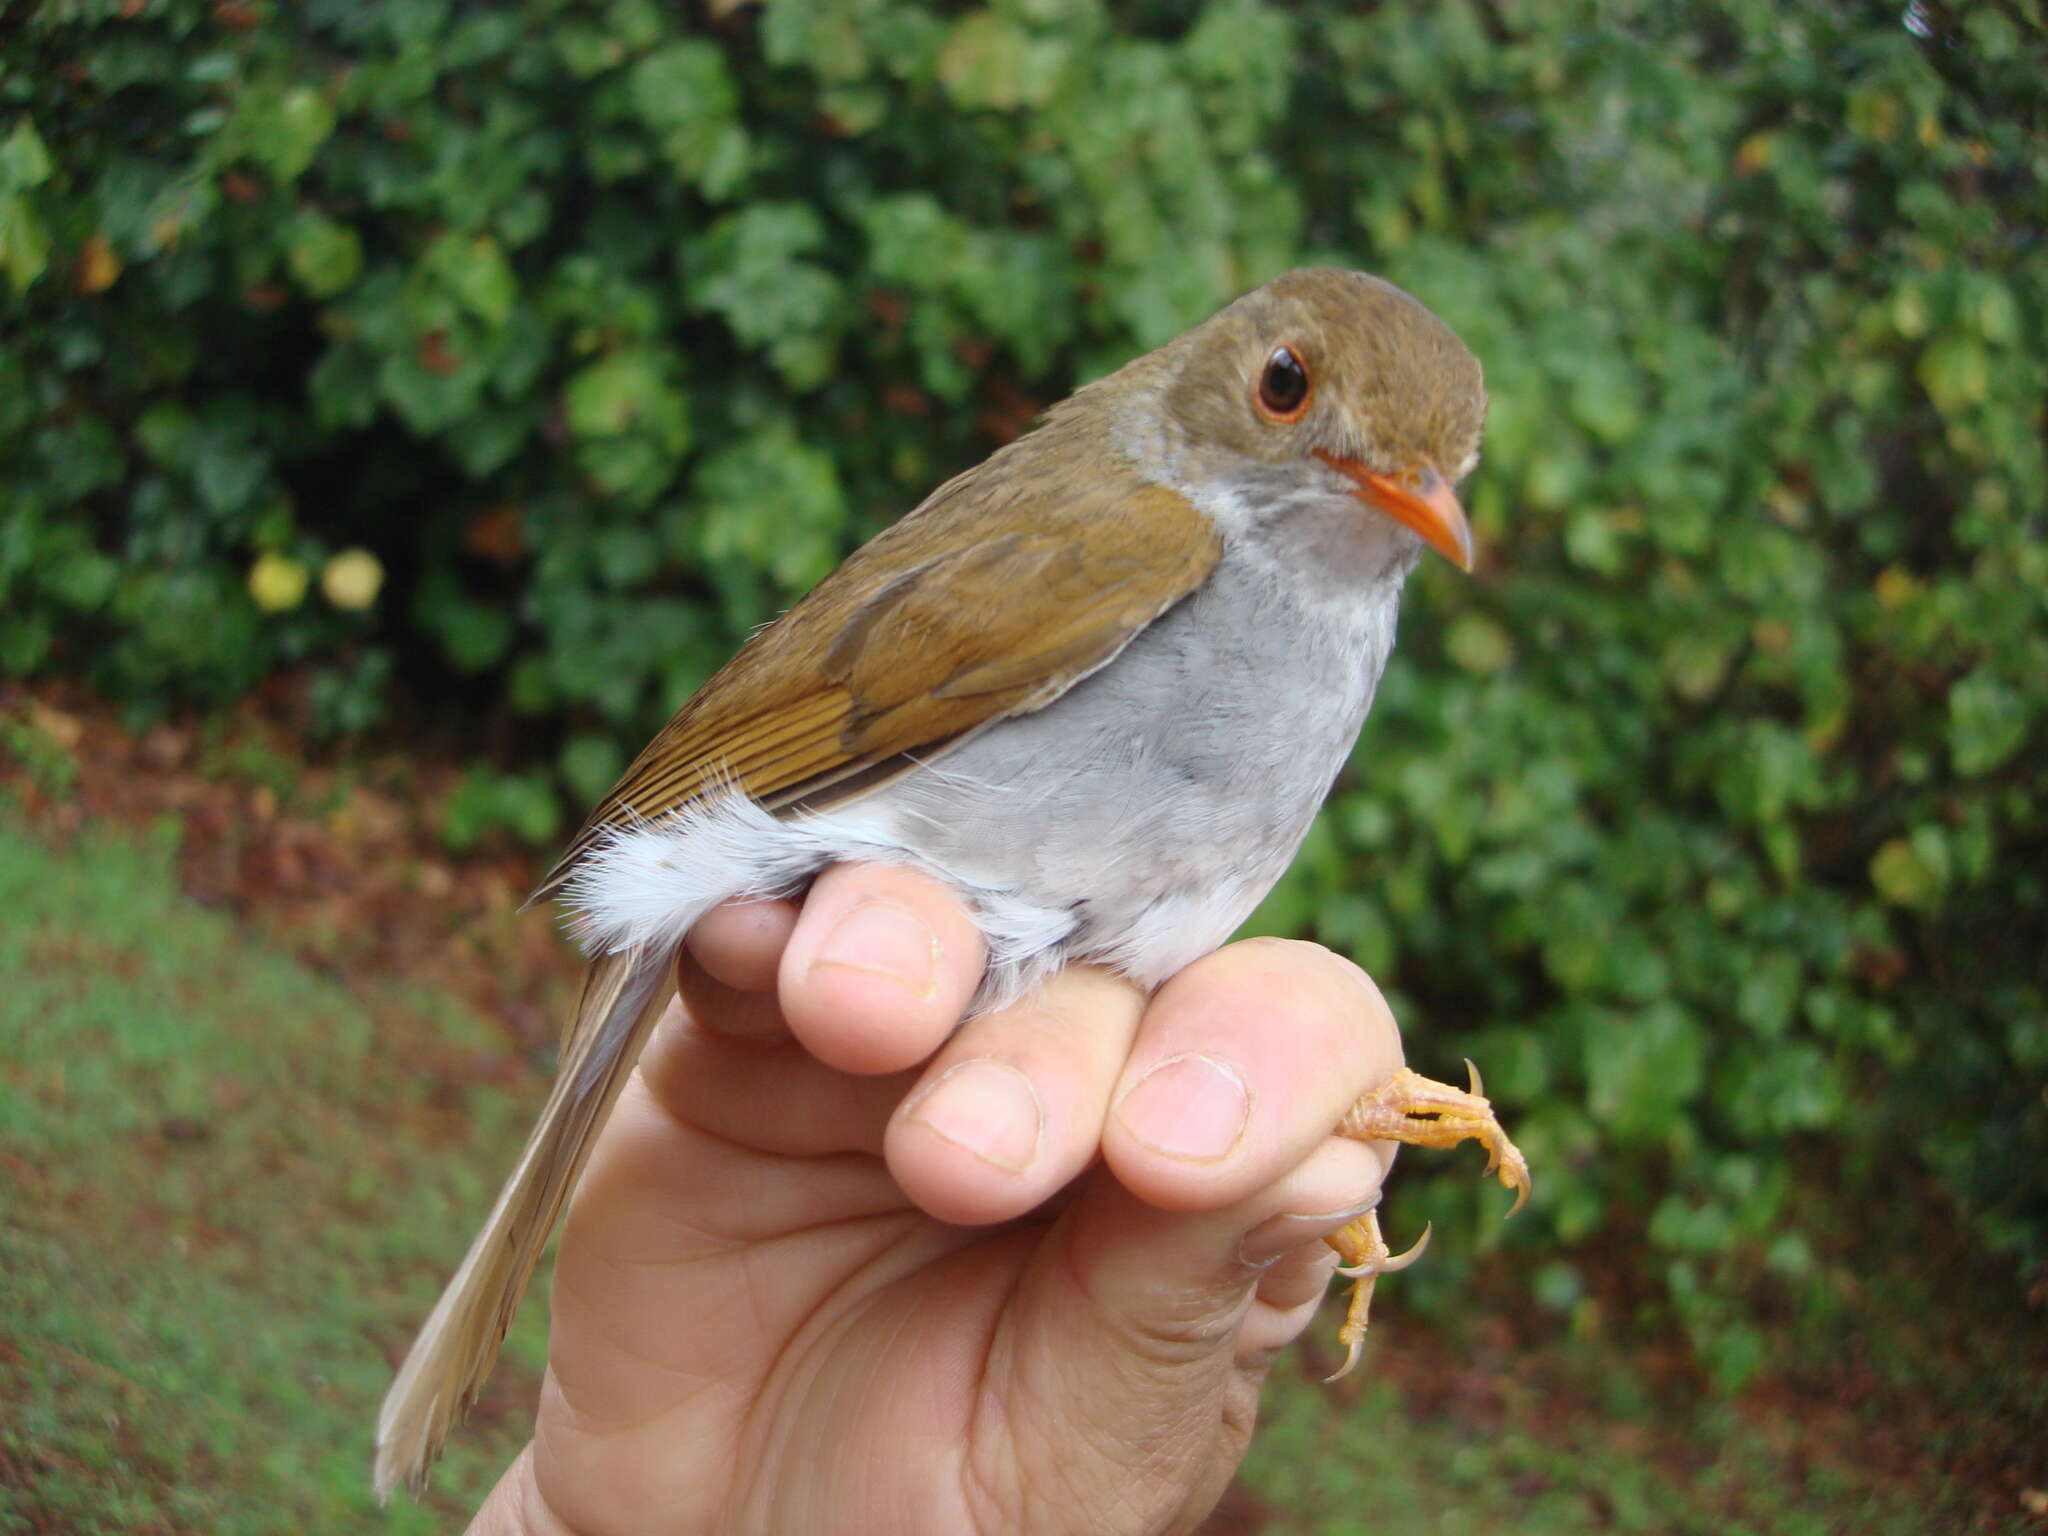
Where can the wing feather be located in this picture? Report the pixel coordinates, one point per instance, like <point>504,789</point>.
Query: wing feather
<point>990,600</point>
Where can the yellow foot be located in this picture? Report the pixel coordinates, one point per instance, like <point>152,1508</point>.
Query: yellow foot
<point>1366,1258</point>
<point>1410,1108</point>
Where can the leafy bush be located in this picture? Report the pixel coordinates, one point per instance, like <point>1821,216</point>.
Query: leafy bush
<point>532,353</point>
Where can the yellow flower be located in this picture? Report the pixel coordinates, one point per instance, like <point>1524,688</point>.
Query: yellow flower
<point>277,582</point>
<point>353,579</point>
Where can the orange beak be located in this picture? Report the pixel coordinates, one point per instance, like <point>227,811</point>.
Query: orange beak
<point>1419,498</point>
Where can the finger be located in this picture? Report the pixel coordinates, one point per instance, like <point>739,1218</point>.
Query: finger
<point>750,1083</point>
<point>740,943</point>
<point>1012,1108</point>
<point>725,971</point>
<point>1167,1288</point>
<point>1284,1304</point>
<point>879,968</point>
<point>1130,1317</point>
<point>1292,1282</point>
<point>1336,1185</point>
<point>723,1009</point>
<point>1244,1062</point>
<point>669,1223</point>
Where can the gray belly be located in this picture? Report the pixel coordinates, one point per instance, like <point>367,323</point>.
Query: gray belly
<point>1157,801</point>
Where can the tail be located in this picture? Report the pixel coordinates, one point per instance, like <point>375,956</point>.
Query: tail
<point>623,994</point>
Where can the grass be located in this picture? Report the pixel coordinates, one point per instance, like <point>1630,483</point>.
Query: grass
<point>229,1185</point>
<point>1600,1454</point>
<point>225,1200</point>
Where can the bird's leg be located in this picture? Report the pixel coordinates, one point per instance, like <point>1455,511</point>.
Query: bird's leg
<point>1410,1108</point>
<point>1366,1258</point>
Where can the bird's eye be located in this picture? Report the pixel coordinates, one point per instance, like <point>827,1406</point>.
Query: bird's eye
<point>1283,386</point>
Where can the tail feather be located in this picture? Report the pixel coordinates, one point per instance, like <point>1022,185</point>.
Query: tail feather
<point>623,994</point>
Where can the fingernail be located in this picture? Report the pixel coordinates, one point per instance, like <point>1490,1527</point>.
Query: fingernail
<point>1282,1234</point>
<point>1191,1107</point>
<point>886,940</point>
<point>988,1107</point>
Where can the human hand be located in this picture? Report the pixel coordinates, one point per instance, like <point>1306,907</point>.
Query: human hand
<point>813,1280</point>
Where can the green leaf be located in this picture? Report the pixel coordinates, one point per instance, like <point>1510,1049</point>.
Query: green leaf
<point>83,579</point>
<point>429,401</point>
<point>474,272</point>
<point>1905,876</point>
<point>24,161</point>
<point>687,98</point>
<point>228,470</point>
<point>987,62</point>
<point>280,130</point>
<point>529,807</point>
<point>634,423</point>
<point>1956,373</point>
<point>1996,313</point>
<point>1605,397</point>
<point>486,801</point>
<point>774,502</point>
<point>619,392</point>
<point>1479,644</point>
<point>591,764</point>
<point>1987,722</point>
<point>1695,664</point>
<point>24,243</point>
<point>1643,1068</point>
<point>476,635</point>
<point>324,256</point>
<point>749,272</point>
<point>627,556</point>
<point>1768,992</point>
<point>25,640</point>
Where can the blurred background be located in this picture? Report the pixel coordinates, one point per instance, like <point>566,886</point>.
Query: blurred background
<point>403,407</point>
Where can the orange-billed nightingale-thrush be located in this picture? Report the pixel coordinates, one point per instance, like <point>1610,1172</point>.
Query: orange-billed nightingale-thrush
<point>1097,684</point>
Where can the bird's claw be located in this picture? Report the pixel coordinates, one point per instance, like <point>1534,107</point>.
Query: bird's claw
<point>1365,1256</point>
<point>1410,1108</point>
<point>1387,1264</point>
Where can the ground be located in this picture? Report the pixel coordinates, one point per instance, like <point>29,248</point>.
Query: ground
<point>265,1050</point>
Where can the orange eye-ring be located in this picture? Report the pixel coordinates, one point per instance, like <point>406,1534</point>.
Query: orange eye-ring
<point>1283,386</point>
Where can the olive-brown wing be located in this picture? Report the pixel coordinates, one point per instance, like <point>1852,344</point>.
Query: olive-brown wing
<point>943,624</point>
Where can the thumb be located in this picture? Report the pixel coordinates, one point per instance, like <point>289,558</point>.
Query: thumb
<point>1129,1337</point>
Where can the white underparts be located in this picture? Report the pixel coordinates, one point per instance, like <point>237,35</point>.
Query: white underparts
<point>648,882</point>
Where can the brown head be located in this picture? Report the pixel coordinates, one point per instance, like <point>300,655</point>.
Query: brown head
<point>1325,370</point>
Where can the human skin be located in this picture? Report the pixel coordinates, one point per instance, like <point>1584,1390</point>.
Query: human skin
<point>838,1265</point>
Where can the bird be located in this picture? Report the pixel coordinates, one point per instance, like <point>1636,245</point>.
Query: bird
<point>1098,684</point>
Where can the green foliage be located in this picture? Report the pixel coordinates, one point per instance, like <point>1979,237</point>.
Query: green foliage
<point>522,803</point>
<point>1709,817</point>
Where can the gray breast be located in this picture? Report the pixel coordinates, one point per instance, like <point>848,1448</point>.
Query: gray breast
<point>1156,802</point>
